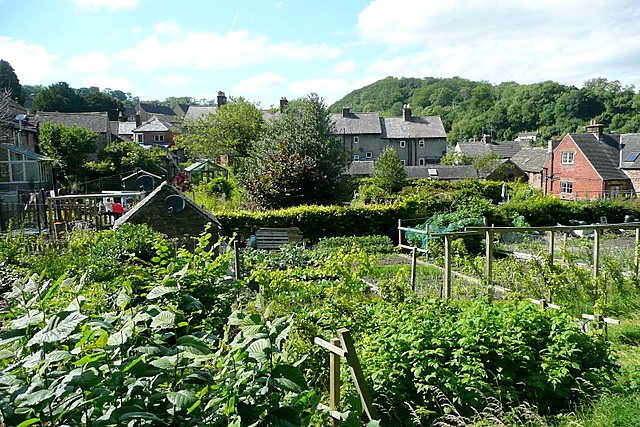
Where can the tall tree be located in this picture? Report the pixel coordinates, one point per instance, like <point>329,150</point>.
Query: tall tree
<point>69,145</point>
<point>59,97</point>
<point>298,160</point>
<point>388,171</point>
<point>9,81</point>
<point>232,129</point>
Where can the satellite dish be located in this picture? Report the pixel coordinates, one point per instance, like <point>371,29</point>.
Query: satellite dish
<point>146,182</point>
<point>174,203</point>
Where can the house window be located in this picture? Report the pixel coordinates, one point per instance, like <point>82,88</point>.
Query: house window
<point>158,138</point>
<point>369,155</point>
<point>356,157</point>
<point>402,162</point>
<point>403,144</point>
<point>567,157</point>
<point>139,137</point>
<point>566,187</point>
<point>356,139</point>
<point>421,162</point>
<point>421,143</point>
<point>20,169</point>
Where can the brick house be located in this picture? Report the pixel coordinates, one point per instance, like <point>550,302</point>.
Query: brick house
<point>531,160</point>
<point>587,165</point>
<point>418,140</point>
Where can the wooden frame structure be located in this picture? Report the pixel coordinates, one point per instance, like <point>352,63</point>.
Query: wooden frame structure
<point>344,347</point>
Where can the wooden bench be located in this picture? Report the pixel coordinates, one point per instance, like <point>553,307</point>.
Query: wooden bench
<point>273,238</point>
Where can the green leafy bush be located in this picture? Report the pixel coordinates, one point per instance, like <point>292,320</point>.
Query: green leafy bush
<point>470,351</point>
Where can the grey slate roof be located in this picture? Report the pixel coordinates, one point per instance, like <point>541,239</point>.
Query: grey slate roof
<point>417,127</point>
<point>604,155</point>
<point>503,149</point>
<point>531,159</point>
<point>195,112</point>
<point>630,143</point>
<point>360,168</point>
<point>126,128</point>
<point>442,172</point>
<point>97,122</point>
<point>357,124</point>
<point>153,125</point>
<point>157,109</point>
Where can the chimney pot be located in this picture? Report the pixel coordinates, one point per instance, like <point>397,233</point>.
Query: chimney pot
<point>345,111</point>
<point>406,113</point>
<point>283,104</point>
<point>222,98</point>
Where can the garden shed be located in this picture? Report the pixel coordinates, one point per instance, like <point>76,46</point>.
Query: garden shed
<point>167,210</point>
<point>204,171</point>
<point>141,180</point>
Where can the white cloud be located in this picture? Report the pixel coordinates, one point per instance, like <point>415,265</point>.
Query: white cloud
<point>168,47</point>
<point>259,84</point>
<point>174,80</point>
<point>108,81</point>
<point>91,62</point>
<point>501,40</point>
<point>167,27</point>
<point>110,5</point>
<point>298,51</point>
<point>344,67</point>
<point>329,89</point>
<point>31,62</point>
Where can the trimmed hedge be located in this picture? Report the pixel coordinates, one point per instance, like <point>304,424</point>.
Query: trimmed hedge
<point>316,222</point>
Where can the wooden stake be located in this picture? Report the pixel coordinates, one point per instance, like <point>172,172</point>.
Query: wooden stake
<point>334,381</point>
<point>488,271</point>
<point>637,247</point>
<point>596,253</point>
<point>447,267</point>
<point>414,253</point>
<point>356,374</point>
<point>236,259</point>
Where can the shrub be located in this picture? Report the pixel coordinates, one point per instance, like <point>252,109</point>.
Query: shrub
<point>369,244</point>
<point>471,351</point>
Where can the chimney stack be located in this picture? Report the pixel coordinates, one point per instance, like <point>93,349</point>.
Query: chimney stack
<point>222,98</point>
<point>345,112</point>
<point>406,113</point>
<point>595,128</point>
<point>486,138</point>
<point>283,104</point>
<point>138,120</point>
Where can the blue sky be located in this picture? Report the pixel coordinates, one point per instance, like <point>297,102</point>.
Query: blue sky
<point>263,50</point>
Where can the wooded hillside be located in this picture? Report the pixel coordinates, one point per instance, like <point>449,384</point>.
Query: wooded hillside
<point>470,109</point>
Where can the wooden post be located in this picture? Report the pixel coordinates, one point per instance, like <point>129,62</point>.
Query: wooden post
<point>447,266</point>
<point>426,228</point>
<point>356,373</point>
<point>489,260</point>
<point>399,232</point>
<point>412,279</point>
<point>334,381</point>
<point>552,238</point>
<point>596,252</point>
<point>637,251</point>
<point>236,260</point>
<point>542,304</point>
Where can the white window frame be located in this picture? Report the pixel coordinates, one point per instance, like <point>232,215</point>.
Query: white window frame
<point>139,137</point>
<point>403,162</point>
<point>421,143</point>
<point>403,144</point>
<point>369,155</point>
<point>356,139</point>
<point>421,161</point>
<point>568,157</point>
<point>158,138</point>
<point>566,187</point>
<point>356,157</point>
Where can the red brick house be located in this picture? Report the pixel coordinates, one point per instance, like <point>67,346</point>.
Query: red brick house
<point>587,165</point>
